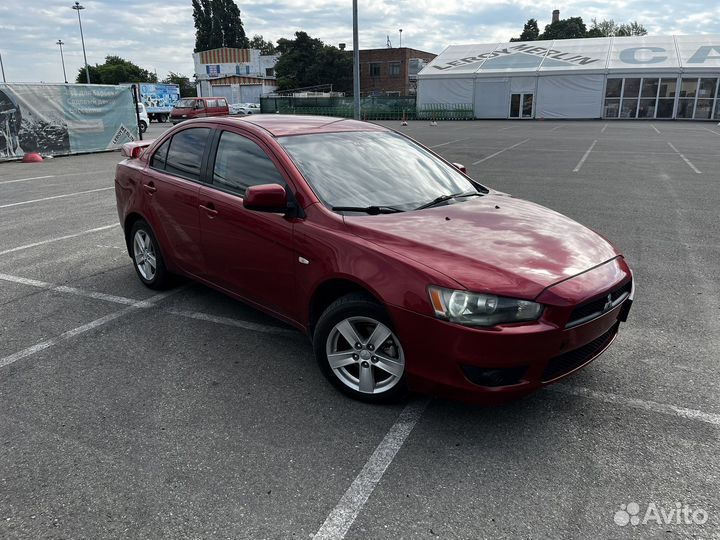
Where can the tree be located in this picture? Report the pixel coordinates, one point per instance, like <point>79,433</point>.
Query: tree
<point>187,89</point>
<point>218,24</point>
<point>116,70</point>
<point>265,47</point>
<point>530,32</point>
<point>609,28</point>
<point>571,28</point>
<point>306,61</point>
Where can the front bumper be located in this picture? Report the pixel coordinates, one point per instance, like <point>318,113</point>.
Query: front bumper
<point>494,365</point>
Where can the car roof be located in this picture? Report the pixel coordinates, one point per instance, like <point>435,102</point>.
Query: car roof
<point>279,125</point>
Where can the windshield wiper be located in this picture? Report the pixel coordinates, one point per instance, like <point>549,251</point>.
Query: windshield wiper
<point>443,198</point>
<point>372,210</point>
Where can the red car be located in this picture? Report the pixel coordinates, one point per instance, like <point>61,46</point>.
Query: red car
<point>198,107</point>
<point>405,273</point>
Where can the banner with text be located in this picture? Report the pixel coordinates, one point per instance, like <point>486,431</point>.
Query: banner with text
<point>64,119</point>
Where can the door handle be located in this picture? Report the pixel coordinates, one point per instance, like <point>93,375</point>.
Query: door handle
<point>150,188</point>
<point>209,210</point>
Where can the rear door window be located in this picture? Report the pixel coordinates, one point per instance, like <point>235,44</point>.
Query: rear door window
<point>212,103</point>
<point>184,158</point>
<point>240,163</point>
<point>157,161</point>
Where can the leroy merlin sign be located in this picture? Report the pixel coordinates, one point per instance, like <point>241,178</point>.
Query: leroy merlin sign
<point>531,55</point>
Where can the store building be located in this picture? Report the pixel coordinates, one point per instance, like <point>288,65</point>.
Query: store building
<point>238,75</point>
<point>391,71</point>
<point>622,77</point>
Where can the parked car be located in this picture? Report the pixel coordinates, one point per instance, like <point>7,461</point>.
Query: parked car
<point>200,107</point>
<point>144,120</point>
<point>405,273</point>
<point>244,108</point>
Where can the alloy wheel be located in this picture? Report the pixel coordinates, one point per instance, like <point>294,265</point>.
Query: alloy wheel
<point>145,257</point>
<point>365,355</point>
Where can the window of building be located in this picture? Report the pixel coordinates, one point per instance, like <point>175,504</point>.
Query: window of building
<point>394,69</point>
<point>185,153</point>
<point>240,163</point>
<point>269,72</point>
<point>393,94</point>
<point>375,69</point>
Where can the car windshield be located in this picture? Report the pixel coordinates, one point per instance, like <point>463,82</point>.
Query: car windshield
<point>371,169</point>
<point>185,103</point>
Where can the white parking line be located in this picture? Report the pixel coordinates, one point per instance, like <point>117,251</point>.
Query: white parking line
<point>656,129</point>
<point>58,239</point>
<point>75,291</point>
<point>500,152</point>
<point>344,514</point>
<point>585,156</point>
<point>227,321</point>
<point>686,160</point>
<point>509,127</point>
<point>26,179</point>
<point>712,131</point>
<point>651,406</point>
<point>6,361</point>
<point>50,176</point>
<point>56,197</point>
<point>446,143</point>
<point>604,128</point>
<point>557,127</point>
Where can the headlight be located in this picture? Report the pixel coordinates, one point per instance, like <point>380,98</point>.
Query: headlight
<point>473,309</point>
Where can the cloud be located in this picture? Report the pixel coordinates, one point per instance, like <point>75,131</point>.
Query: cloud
<point>160,35</point>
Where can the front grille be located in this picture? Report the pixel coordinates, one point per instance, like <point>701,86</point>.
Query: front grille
<point>595,308</point>
<point>570,360</point>
<point>493,377</point>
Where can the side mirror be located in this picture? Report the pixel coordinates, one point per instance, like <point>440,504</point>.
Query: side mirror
<point>460,167</point>
<point>266,198</point>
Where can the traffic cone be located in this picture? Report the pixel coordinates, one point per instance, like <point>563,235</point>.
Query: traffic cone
<point>32,157</point>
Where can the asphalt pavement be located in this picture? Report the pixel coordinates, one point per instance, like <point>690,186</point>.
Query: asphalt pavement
<point>125,413</point>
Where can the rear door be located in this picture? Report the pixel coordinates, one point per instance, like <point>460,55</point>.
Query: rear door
<point>171,188</point>
<point>249,253</point>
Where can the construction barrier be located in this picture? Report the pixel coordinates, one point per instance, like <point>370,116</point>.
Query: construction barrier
<point>62,119</point>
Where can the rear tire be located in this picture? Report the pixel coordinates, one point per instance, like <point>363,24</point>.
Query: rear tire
<point>358,352</point>
<point>143,126</point>
<point>147,258</point>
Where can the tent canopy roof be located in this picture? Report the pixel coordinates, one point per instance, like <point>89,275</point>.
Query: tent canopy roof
<point>647,53</point>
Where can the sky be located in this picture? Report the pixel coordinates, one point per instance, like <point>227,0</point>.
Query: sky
<point>160,36</point>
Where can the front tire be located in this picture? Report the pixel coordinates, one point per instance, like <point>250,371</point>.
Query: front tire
<point>143,126</point>
<point>358,352</point>
<point>147,258</point>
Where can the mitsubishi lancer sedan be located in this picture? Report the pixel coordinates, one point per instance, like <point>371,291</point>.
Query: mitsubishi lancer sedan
<point>405,273</point>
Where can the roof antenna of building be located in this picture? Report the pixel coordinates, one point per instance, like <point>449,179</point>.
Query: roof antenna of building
<point>389,45</point>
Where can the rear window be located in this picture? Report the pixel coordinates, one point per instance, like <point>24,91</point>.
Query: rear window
<point>186,152</point>
<point>222,102</point>
<point>185,104</point>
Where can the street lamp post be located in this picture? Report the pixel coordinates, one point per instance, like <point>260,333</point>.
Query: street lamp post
<point>2,68</point>
<point>356,62</point>
<point>62,58</point>
<point>77,7</point>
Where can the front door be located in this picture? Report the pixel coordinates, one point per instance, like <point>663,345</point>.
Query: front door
<point>249,253</point>
<point>521,105</point>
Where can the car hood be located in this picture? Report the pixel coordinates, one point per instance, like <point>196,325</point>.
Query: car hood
<point>494,243</point>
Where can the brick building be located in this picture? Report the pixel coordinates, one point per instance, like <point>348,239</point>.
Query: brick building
<point>391,71</point>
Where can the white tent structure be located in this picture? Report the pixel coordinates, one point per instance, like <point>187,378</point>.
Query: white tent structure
<point>620,77</point>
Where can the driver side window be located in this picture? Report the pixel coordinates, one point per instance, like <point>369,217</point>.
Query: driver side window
<point>240,163</point>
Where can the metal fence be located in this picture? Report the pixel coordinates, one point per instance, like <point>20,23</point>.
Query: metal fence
<point>372,108</point>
